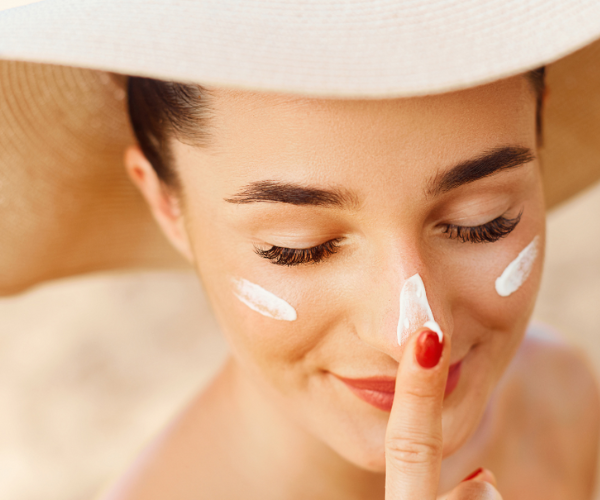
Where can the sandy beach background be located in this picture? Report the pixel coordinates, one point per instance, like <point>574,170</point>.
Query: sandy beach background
<point>92,367</point>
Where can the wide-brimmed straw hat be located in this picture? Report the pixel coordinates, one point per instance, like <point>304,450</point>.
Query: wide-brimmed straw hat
<point>66,204</point>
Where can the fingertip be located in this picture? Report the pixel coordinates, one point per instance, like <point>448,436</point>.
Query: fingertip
<point>428,349</point>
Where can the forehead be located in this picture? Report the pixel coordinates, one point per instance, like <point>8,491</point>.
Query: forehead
<point>258,135</point>
<point>252,115</point>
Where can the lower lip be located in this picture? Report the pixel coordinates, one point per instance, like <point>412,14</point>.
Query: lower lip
<point>453,378</point>
<point>380,392</point>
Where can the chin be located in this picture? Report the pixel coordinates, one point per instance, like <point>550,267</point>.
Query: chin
<point>368,452</point>
<point>361,445</point>
<point>459,424</point>
<point>370,460</point>
<point>377,466</point>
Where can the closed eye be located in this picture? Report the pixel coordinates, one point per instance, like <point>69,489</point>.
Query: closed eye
<point>486,233</point>
<point>295,256</point>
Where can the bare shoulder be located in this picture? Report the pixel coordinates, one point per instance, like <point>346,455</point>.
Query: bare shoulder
<point>550,400</point>
<point>557,377</point>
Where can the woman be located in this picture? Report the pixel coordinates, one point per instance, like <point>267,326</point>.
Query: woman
<point>373,264</point>
<point>331,206</point>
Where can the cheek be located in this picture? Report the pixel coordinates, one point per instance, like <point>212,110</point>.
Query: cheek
<point>262,301</point>
<point>479,311</point>
<point>518,270</point>
<point>273,317</point>
<point>274,325</point>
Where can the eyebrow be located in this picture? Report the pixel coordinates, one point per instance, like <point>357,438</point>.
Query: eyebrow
<point>490,163</point>
<point>294,194</point>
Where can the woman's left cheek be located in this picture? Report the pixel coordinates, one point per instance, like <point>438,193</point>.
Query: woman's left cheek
<point>494,292</point>
<point>518,270</point>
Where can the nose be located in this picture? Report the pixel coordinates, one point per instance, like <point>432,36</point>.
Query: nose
<point>398,303</point>
<point>415,311</point>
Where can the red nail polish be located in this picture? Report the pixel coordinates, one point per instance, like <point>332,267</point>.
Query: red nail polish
<point>473,474</point>
<point>429,349</point>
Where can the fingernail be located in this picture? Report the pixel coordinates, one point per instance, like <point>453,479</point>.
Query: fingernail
<point>429,349</point>
<point>473,474</point>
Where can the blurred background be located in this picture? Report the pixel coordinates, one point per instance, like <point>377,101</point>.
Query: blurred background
<point>8,4</point>
<point>92,367</point>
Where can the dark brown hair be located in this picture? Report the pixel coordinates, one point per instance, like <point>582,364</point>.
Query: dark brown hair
<point>537,77</point>
<point>161,111</point>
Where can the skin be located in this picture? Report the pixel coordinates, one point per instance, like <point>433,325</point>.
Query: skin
<point>276,417</point>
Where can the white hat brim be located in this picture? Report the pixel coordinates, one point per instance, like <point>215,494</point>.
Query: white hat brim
<point>366,48</point>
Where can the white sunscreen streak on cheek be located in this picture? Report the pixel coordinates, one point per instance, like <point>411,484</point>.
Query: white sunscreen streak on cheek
<point>518,270</point>
<point>414,310</point>
<point>262,301</point>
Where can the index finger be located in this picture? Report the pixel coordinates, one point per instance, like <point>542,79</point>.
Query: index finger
<point>414,434</point>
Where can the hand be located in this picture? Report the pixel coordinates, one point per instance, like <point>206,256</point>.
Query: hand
<point>414,442</point>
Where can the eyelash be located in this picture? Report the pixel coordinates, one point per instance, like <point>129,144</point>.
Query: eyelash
<point>486,233</point>
<point>294,256</point>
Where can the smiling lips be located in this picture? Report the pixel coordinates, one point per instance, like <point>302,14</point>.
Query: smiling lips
<point>379,391</point>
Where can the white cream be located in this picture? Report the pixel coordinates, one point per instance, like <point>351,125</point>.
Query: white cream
<point>414,310</point>
<point>262,301</point>
<point>518,270</point>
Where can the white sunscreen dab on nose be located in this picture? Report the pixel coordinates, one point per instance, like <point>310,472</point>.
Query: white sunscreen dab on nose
<point>414,310</point>
<point>262,301</point>
<point>518,270</point>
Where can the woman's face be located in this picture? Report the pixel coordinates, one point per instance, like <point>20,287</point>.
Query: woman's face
<point>379,190</point>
